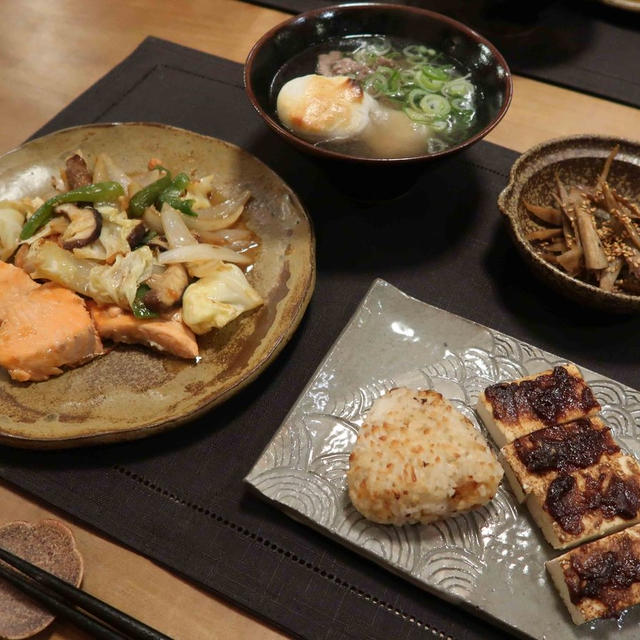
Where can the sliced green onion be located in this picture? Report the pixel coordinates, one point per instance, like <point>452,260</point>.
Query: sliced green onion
<point>414,97</point>
<point>427,83</point>
<point>376,85</point>
<point>458,88</point>
<point>435,105</point>
<point>379,46</point>
<point>460,104</point>
<point>418,53</point>
<point>385,71</point>
<point>418,116</point>
<point>394,83</point>
<point>434,72</point>
<point>407,76</point>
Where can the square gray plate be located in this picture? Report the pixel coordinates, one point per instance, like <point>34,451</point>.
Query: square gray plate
<point>490,560</point>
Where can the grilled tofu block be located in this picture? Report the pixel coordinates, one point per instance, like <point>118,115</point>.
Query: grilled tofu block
<point>531,462</point>
<point>599,579</point>
<point>572,508</point>
<point>513,409</point>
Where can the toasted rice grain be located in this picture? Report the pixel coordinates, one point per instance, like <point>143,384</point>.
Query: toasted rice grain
<point>418,459</point>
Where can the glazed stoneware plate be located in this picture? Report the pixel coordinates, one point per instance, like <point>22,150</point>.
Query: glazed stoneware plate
<point>133,392</point>
<point>490,560</point>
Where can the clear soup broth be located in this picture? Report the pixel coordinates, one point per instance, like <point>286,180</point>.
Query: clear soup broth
<point>425,101</point>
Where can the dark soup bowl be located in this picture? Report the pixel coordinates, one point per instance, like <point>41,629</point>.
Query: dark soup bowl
<point>290,49</point>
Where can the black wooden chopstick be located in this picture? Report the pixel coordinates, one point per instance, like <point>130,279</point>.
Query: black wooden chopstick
<point>66,596</point>
<point>57,607</point>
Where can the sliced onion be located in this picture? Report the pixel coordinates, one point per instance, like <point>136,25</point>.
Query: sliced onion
<point>175,230</point>
<point>151,218</point>
<point>219,216</point>
<point>204,269</point>
<point>225,236</point>
<point>202,253</point>
<point>106,169</point>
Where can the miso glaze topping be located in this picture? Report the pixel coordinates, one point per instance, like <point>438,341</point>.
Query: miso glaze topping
<point>606,494</point>
<point>548,398</point>
<point>575,445</point>
<point>604,575</point>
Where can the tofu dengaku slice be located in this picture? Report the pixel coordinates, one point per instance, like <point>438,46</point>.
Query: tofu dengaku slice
<point>599,579</point>
<point>513,409</point>
<point>531,462</point>
<point>418,459</point>
<point>588,503</point>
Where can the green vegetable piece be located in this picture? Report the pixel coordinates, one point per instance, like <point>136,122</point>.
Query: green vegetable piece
<point>418,116</point>
<point>435,105</point>
<point>458,88</point>
<point>171,195</point>
<point>427,83</point>
<point>181,205</point>
<point>147,196</point>
<point>98,192</point>
<point>139,308</point>
<point>148,237</point>
<point>437,73</point>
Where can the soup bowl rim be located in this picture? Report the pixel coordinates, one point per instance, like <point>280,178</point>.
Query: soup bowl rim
<point>323,152</point>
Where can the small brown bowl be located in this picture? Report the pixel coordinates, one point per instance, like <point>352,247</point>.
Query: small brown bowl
<point>577,160</point>
<point>488,69</point>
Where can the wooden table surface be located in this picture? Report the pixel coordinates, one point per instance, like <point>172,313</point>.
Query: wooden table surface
<point>51,51</point>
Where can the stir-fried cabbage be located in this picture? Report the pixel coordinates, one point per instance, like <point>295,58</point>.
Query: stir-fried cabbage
<point>106,284</point>
<point>11,221</point>
<point>114,236</point>
<point>48,260</point>
<point>217,299</point>
<point>118,283</point>
<point>55,226</point>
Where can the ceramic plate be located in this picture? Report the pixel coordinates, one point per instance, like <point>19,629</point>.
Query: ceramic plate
<point>133,392</point>
<point>490,560</point>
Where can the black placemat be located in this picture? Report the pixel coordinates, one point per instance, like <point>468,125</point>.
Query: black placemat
<point>179,497</point>
<point>573,43</point>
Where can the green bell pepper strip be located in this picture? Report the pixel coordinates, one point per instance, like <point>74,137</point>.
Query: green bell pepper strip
<point>171,195</point>
<point>139,308</point>
<point>98,192</point>
<point>147,196</point>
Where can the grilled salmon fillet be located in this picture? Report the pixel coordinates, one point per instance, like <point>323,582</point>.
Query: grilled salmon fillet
<point>167,333</point>
<point>42,327</point>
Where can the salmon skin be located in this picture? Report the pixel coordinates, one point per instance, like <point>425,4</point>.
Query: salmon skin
<point>167,333</point>
<point>43,327</point>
